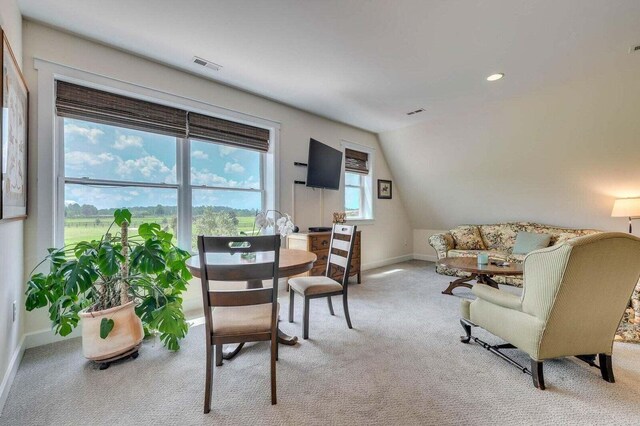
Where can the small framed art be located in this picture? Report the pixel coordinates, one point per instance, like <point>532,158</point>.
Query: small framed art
<point>384,189</point>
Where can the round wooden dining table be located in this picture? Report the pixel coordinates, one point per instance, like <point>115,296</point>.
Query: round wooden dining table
<point>292,262</point>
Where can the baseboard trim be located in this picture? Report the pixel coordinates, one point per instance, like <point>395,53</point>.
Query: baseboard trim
<point>385,262</point>
<point>427,257</point>
<point>44,337</point>
<point>10,374</point>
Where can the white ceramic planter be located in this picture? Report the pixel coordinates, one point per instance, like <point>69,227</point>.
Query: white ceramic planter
<point>127,332</point>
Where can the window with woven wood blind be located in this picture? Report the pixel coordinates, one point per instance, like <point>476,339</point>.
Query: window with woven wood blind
<point>356,161</point>
<point>85,103</point>
<point>227,132</point>
<point>120,151</point>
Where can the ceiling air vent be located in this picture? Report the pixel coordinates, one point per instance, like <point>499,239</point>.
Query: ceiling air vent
<point>204,63</point>
<point>418,111</point>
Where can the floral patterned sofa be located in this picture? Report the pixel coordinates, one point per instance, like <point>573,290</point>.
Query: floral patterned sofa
<point>496,240</point>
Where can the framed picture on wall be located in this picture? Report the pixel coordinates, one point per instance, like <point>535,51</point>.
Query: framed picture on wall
<point>13,155</point>
<point>384,189</point>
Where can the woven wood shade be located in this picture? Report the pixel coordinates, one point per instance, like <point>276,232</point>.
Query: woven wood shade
<point>356,161</point>
<point>228,132</point>
<point>74,101</point>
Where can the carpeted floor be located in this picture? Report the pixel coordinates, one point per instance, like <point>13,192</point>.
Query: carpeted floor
<point>401,364</point>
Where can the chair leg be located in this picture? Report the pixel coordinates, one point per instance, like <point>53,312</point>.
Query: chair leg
<point>291,299</point>
<point>330,305</point>
<point>606,368</point>
<point>536,374</point>
<point>207,380</point>
<point>274,356</point>
<point>305,319</point>
<point>345,303</point>
<point>467,331</point>
<point>218,355</point>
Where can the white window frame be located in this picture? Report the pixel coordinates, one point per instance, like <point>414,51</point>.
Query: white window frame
<point>367,205</point>
<point>50,161</point>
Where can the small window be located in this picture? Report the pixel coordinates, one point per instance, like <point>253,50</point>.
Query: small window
<point>358,195</point>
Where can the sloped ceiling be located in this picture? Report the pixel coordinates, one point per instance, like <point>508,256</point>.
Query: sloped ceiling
<point>365,62</point>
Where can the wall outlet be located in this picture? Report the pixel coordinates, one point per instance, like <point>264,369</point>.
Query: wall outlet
<point>15,310</point>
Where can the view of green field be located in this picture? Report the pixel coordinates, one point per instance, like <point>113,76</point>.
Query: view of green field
<point>206,220</point>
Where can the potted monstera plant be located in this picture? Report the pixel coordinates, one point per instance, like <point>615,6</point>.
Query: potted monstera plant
<point>120,287</point>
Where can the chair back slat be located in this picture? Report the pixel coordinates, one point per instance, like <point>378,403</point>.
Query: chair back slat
<point>341,245</point>
<point>234,245</point>
<point>336,259</point>
<point>246,272</point>
<point>255,296</point>
<point>342,229</point>
<point>229,269</point>
<point>343,238</point>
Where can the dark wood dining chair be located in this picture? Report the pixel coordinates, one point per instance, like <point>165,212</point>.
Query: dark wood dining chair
<point>338,264</point>
<point>239,316</point>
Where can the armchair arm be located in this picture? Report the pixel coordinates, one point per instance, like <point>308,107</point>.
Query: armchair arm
<point>497,297</point>
<point>442,243</point>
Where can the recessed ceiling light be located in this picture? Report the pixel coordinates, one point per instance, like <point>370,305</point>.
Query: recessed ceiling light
<point>494,77</point>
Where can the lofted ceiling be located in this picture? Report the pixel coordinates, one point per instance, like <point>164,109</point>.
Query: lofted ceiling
<point>365,62</point>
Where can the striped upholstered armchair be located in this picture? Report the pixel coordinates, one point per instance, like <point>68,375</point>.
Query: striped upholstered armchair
<point>573,299</point>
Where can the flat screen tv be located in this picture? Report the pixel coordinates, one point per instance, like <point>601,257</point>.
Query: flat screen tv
<point>324,166</point>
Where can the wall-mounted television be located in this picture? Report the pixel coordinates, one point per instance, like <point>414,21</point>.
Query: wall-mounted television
<point>324,166</point>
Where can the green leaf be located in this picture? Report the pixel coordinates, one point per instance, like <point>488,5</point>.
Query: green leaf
<point>149,257</point>
<point>85,248</point>
<point>169,320</point>
<point>108,259</point>
<point>57,258</point>
<point>79,275</point>
<point>148,230</point>
<point>106,325</point>
<point>36,292</point>
<point>121,215</point>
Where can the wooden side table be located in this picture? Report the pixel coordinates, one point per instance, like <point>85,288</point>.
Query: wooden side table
<point>318,243</point>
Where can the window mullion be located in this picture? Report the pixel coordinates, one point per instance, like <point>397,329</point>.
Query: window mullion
<point>185,210</point>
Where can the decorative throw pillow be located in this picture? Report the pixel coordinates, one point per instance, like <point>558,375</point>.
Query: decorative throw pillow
<point>528,241</point>
<point>467,238</point>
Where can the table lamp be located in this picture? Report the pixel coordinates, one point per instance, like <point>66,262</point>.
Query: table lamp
<point>627,207</point>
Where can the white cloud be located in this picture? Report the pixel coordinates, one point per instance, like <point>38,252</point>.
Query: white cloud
<point>126,141</point>
<point>146,166</point>
<point>226,150</point>
<point>91,133</point>
<point>200,155</point>
<point>233,168</point>
<point>211,179</point>
<point>80,158</point>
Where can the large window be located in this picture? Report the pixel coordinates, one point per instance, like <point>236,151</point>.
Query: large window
<point>108,167</point>
<point>191,173</point>
<point>227,188</point>
<point>358,195</point>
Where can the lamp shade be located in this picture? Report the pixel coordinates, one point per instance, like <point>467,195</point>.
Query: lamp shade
<point>626,207</point>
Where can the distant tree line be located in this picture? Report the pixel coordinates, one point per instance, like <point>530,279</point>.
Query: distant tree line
<point>74,210</point>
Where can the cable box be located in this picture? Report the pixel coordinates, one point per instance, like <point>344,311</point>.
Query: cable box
<point>319,229</point>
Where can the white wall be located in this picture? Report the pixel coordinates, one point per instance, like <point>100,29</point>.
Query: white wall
<point>387,240</point>
<point>11,244</point>
<point>558,156</point>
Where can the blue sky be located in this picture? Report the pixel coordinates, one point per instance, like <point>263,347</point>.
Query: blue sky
<point>101,151</point>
